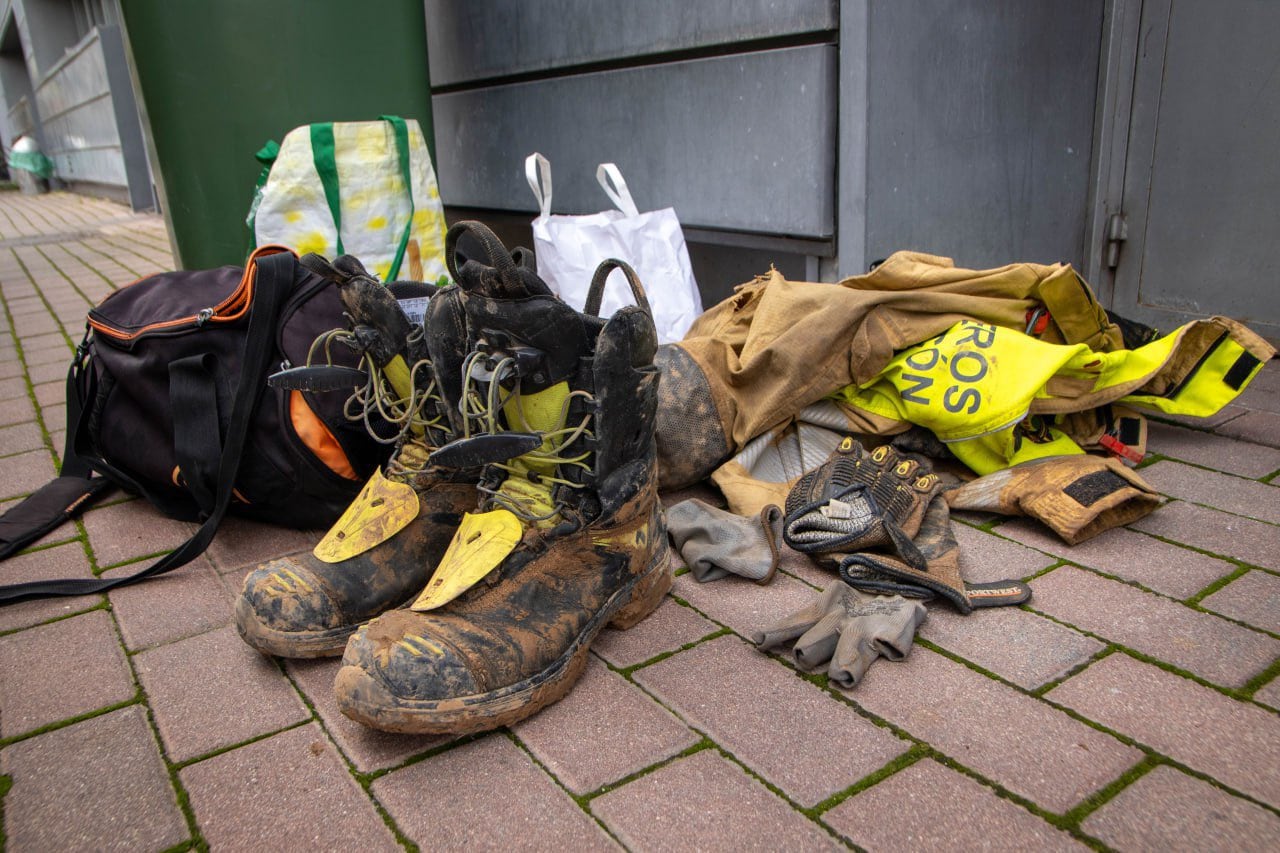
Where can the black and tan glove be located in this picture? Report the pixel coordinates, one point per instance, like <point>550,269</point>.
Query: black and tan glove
<point>1078,496</point>
<point>880,520</point>
<point>847,628</point>
<point>858,500</point>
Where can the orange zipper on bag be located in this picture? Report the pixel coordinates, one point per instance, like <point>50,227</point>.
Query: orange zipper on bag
<point>232,308</point>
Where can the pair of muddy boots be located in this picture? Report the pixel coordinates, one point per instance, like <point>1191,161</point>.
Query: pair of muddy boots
<point>521,520</point>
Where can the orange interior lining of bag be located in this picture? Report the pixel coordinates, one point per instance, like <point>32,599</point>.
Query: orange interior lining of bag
<point>317,437</point>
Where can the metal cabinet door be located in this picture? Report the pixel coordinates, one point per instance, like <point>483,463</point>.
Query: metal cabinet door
<point>1201,199</point>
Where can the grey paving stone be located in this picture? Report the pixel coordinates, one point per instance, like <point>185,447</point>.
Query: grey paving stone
<point>705,802</point>
<point>1269,694</point>
<point>1212,451</point>
<point>51,393</point>
<point>19,438</point>
<point>61,561</point>
<point>1027,649</point>
<point>368,749</point>
<point>1259,427</point>
<point>1221,491</point>
<point>61,670</point>
<point>744,606</point>
<point>212,690</point>
<point>1212,648</point>
<point>603,730</point>
<point>97,785</point>
<point>50,371</point>
<point>1219,532</point>
<point>1018,741</point>
<point>186,601</point>
<point>25,472</point>
<point>1223,415</point>
<point>1169,810</point>
<point>13,387</point>
<point>668,628</point>
<point>1231,741</point>
<point>486,794</point>
<point>287,792</point>
<point>241,542</point>
<point>770,719</point>
<point>1259,396</point>
<point>1170,569</point>
<point>947,811</point>
<point>126,531</point>
<point>1253,598</point>
<point>985,558</point>
<point>54,417</point>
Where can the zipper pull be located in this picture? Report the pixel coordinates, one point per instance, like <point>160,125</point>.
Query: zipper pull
<point>205,315</point>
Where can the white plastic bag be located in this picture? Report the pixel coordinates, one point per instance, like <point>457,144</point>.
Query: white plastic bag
<point>363,188</point>
<point>569,248</point>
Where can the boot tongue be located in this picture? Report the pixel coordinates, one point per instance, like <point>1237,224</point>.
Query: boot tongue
<point>525,490</point>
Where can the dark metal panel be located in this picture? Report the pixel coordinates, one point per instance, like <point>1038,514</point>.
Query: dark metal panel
<point>980,128</point>
<point>740,142</point>
<point>1202,192</point>
<point>484,39</point>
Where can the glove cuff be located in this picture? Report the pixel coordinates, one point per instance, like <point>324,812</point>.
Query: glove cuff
<point>1080,507</point>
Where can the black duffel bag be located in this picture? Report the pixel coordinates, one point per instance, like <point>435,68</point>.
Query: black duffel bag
<point>167,398</point>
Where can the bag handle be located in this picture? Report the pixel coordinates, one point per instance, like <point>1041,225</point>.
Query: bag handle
<point>323,154</point>
<point>535,166</point>
<point>274,280</point>
<point>618,192</point>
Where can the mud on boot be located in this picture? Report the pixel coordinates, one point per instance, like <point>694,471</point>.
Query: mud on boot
<point>568,538</point>
<point>381,551</point>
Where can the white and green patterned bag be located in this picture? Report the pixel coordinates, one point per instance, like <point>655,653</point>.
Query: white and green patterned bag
<point>360,188</point>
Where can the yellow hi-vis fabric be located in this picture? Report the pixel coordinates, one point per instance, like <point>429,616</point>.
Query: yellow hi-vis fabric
<point>975,383</point>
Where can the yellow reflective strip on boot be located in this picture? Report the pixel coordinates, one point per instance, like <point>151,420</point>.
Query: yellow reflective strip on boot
<point>480,544</point>
<point>381,510</point>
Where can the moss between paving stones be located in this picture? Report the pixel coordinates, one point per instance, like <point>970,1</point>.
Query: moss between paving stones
<point>6,782</point>
<point>41,252</point>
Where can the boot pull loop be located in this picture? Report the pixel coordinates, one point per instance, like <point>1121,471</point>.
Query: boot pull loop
<point>497,253</point>
<point>595,294</point>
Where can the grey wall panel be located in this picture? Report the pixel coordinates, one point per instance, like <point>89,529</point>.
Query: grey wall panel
<point>980,123</point>
<point>483,39</point>
<point>81,135</point>
<point>739,142</point>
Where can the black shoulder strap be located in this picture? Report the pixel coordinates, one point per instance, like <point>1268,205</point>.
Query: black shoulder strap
<point>275,274</point>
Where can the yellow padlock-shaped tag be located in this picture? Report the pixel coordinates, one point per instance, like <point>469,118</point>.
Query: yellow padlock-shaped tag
<point>480,544</point>
<point>381,510</point>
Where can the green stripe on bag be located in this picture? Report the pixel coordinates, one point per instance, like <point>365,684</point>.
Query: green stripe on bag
<point>401,132</point>
<point>322,154</point>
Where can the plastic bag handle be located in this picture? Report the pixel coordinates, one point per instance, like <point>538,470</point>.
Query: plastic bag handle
<point>536,165</point>
<point>618,192</point>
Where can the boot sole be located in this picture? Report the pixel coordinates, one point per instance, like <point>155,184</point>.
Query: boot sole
<point>363,699</point>
<point>290,644</point>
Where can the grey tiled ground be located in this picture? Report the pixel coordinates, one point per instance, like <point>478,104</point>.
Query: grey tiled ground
<point>1132,704</point>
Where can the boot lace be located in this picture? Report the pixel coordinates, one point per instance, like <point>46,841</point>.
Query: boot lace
<point>528,484</point>
<point>413,415</point>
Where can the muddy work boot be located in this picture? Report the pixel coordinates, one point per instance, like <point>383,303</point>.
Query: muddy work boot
<point>381,551</point>
<point>568,538</point>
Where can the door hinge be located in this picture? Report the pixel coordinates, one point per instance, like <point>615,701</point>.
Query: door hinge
<point>1117,233</point>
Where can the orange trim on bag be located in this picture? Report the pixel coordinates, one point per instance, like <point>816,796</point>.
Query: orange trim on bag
<point>231,308</point>
<point>317,437</point>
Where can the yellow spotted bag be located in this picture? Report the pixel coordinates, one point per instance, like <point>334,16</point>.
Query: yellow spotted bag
<point>362,188</point>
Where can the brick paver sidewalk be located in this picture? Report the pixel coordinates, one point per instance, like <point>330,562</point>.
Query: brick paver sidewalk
<point>1132,704</point>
